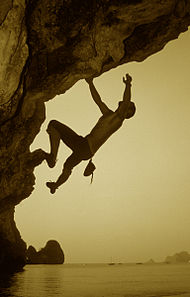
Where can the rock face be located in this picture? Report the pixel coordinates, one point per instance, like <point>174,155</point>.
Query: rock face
<point>182,257</point>
<point>47,46</point>
<point>50,254</point>
<point>12,247</point>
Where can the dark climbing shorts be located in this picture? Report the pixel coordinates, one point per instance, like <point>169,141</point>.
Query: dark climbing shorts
<point>78,144</point>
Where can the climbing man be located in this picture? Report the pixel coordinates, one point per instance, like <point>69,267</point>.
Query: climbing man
<point>84,148</point>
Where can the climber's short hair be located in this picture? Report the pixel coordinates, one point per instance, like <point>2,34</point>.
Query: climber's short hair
<point>131,111</point>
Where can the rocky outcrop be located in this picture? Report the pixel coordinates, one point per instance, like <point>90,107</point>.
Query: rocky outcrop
<point>151,261</point>
<point>182,257</point>
<point>47,46</point>
<point>12,247</point>
<point>50,254</point>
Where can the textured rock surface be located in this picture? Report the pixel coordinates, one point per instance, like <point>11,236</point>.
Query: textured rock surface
<point>46,46</point>
<point>12,247</point>
<point>50,254</point>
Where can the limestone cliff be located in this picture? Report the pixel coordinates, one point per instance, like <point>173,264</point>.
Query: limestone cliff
<point>48,45</point>
<point>50,254</point>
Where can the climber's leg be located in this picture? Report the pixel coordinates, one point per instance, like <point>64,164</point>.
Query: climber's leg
<point>71,162</point>
<point>54,138</point>
<point>57,131</point>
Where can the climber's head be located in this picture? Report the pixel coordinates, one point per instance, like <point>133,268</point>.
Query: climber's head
<point>131,110</point>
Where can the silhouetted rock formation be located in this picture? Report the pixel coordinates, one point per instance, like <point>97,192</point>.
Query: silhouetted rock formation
<point>182,257</point>
<point>151,261</point>
<point>12,255</point>
<point>46,47</point>
<point>50,254</point>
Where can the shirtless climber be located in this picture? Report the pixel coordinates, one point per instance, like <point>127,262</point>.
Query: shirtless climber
<point>84,148</point>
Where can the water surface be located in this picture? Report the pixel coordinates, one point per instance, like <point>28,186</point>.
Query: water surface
<point>98,280</point>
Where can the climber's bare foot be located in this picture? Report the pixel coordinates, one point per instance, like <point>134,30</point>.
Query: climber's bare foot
<point>52,186</point>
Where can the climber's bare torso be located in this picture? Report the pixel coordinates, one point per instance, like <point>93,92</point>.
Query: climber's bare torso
<point>85,147</point>
<point>105,127</point>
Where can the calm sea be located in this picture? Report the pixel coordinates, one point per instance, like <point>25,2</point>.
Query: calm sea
<point>99,280</point>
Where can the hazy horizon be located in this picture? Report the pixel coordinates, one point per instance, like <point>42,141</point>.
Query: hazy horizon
<point>138,205</point>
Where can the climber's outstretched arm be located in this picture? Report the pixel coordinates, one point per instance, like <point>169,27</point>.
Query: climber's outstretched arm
<point>96,97</point>
<point>127,93</point>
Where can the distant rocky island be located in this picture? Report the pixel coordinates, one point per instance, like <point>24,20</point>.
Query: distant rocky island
<point>151,261</point>
<point>182,257</point>
<point>50,254</point>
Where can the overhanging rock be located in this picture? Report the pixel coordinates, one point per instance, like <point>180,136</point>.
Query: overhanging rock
<point>46,47</point>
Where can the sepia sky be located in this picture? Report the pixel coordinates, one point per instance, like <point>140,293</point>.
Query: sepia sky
<point>138,206</point>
